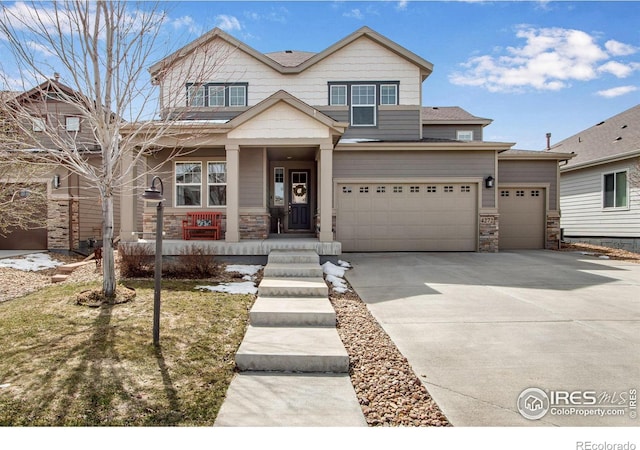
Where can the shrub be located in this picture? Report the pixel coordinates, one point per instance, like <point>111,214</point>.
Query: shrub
<point>136,261</point>
<point>193,262</point>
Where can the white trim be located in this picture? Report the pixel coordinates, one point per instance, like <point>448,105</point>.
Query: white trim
<point>175,184</point>
<point>209,205</point>
<point>346,93</point>
<point>372,105</point>
<point>461,132</point>
<point>607,209</point>
<point>395,88</point>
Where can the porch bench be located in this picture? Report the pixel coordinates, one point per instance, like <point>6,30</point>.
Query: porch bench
<point>202,225</point>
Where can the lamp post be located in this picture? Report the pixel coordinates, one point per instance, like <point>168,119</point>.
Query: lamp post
<point>153,194</point>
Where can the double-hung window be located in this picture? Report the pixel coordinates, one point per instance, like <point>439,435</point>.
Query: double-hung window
<point>363,105</point>
<point>216,94</point>
<point>188,183</point>
<point>615,189</point>
<point>217,183</point>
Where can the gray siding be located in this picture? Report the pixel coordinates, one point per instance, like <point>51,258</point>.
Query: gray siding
<point>252,183</point>
<point>90,210</point>
<point>55,114</point>
<point>450,131</point>
<point>393,125</point>
<point>531,172</point>
<point>581,203</point>
<point>413,164</point>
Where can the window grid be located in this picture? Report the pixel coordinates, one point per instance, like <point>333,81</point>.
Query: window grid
<point>448,188</point>
<point>535,193</point>
<point>364,189</point>
<point>188,181</point>
<point>519,193</point>
<point>388,94</point>
<point>414,189</point>
<point>363,105</point>
<point>465,188</point>
<point>346,189</point>
<point>432,189</point>
<point>338,96</point>
<point>381,189</point>
<point>504,193</point>
<point>397,189</point>
<point>217,183</point>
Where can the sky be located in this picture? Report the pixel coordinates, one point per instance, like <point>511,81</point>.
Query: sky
<point>532,67</point>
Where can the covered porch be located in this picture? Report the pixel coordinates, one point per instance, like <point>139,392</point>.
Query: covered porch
<point>266,173</point>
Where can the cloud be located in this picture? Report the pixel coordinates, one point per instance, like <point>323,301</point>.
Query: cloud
<point>188,23</point>
<point>278,15</point>
<point>228,23</point>
<point>617,91</point>
<point>354,14</point>
<point>618,69</point>
<point>402,5</point>
<point>616,48</point>
<point>549,60</point>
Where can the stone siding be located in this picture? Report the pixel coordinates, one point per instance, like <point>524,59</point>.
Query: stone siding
<point>552,240</point>
<point>63,224</point>
<point>489,229</point>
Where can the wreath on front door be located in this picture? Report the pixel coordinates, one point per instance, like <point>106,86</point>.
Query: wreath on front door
<point>299,190</point>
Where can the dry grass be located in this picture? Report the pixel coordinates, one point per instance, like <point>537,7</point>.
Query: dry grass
<point>63,364</point>
<point>612,253</point>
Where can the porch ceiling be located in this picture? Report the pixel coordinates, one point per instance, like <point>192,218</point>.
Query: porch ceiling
<point>292,153</point>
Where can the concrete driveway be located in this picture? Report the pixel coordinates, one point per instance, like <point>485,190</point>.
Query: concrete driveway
<point>478,329</point>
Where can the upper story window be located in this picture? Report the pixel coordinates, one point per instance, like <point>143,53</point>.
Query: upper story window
<point>389,94</point>
<point>72,123</point>
<point>338,95</point>
<point>464,135</point>
<point>363,98</point>
<point>217,94</point>
<point>615,190</point>
<point>363,105</point>
<point>38,124</point>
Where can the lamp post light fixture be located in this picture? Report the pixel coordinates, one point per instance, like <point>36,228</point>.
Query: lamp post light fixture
<point>154,194</point>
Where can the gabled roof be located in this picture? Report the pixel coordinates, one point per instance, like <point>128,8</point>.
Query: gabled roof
<point>50,86</point>
<point>450,115</point>
<point>285,66</point>
<point>290,58</point>
<point>615,138</point>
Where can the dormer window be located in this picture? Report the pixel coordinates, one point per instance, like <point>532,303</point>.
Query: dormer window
<point>464,135</point>
<point>217,95</point>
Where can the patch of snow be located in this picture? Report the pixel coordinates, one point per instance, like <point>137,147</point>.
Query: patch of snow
<point>243,269</point>
<point>247,287</point>
<point>603,257</point>
<point>331,269</point>
<point>358,140</point>
<point>339,285</point>
<point>5,385</point>
<point>31,263</point>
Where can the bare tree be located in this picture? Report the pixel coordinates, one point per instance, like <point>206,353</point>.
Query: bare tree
<point>101,50</point>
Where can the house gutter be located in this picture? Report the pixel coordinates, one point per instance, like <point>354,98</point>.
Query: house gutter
<point>596,162</point>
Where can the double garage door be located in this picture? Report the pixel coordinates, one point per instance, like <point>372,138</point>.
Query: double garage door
<point>375,217</point>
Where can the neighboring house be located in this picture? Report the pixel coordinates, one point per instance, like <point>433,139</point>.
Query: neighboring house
<point>73,219</point>
<point>601,185</point>
<point>337,144</point>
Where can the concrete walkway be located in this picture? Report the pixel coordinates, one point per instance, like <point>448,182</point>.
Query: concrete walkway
<point>15,253</point>
<point>478,329</point>
<point>293,366</point>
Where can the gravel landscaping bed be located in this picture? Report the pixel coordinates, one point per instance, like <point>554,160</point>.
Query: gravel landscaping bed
<point>388,390</point>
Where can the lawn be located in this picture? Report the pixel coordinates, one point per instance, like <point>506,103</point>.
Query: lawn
<point>62,364</point>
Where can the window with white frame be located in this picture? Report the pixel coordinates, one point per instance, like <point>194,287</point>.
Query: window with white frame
<point>38,124</point>
<point>188,183</point>
<point>464,135</point>
<point>388,94</point>
<point>615,190</point>
<point>363,105</point>
<point>72,123</point>
<point>278,186</point>
<point>216,94</point>
<point>338,95</point>
<point>217,183</point>
<point>195,95</point>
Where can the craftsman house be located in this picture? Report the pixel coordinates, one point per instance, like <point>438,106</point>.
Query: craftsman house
<point>337,146</point>
<point>601,185</point>
<point>72,218</point>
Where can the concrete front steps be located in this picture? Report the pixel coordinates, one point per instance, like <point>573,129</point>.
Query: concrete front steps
<point>63,272</point>
<point>292,323</point>
<point>293,366</point>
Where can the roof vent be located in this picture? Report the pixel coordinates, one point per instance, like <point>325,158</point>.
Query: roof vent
<point>435,107</point>
<point>288,51</point>
<point>623,127</point>
<point>619,138</point>
<point>598,124</point>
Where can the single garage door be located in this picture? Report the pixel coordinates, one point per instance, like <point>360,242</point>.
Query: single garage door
<point>407,217</point>
<point>522,218</point>
<point>34,237</point>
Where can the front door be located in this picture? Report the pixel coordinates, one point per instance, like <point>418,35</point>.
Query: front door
<point>299,200</point>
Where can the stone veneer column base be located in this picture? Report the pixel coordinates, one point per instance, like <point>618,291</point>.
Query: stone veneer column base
<point>252,226</point>
<point>62,224</point>
<point>255,226</point>
<point>488,234</point>
<point>552,235</point>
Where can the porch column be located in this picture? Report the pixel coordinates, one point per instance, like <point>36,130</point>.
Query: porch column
<point>326,193</point>
<point>233,193</point>
<point>128,199</point>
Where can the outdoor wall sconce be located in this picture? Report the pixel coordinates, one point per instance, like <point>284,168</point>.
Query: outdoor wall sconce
<point>154,194</point>
<point>488,182</point>
<point>56,181</point>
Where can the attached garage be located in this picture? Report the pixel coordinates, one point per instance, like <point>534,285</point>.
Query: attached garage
<point>34,237</point>
<point>374,217</point>
<point>522,218</point>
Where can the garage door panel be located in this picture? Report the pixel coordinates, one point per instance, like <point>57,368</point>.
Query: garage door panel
<point>522,219</point>
<point>407,217</point>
